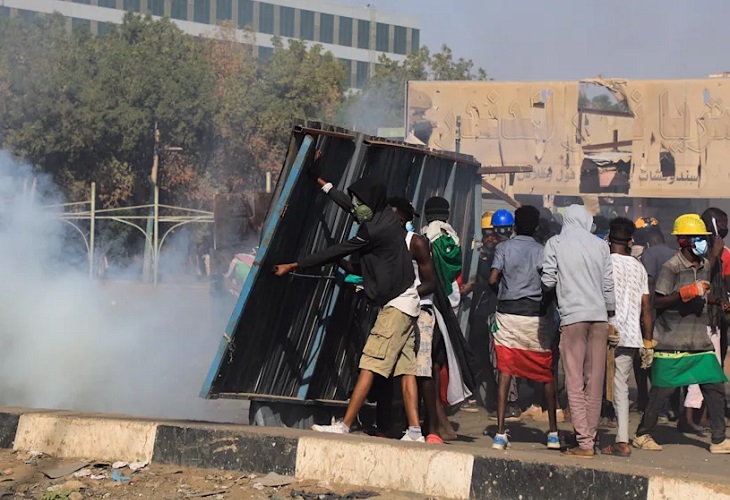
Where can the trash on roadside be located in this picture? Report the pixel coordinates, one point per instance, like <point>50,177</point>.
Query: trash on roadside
<point>82,473</point>
<point>98,476</point>
<point>135,466</point>
<point>258,486</point>
<point>274,480</point>
<point>118,477</point>
<point>63,469</point>
<point>119,465</point>
<point>206,494</point>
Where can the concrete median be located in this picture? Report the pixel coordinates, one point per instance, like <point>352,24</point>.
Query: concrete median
<point>446,471</point>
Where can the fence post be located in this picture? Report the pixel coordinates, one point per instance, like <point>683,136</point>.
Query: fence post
<point>156,250</point>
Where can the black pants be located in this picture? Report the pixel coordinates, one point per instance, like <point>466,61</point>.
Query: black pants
<point>714,395</point>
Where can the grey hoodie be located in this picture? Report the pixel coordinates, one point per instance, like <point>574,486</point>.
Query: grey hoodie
<point>578,264</point>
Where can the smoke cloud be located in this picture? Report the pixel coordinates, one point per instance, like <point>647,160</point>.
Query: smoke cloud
<point>69,342</point>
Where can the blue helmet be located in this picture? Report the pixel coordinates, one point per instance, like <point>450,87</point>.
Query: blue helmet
<point>503,218</point>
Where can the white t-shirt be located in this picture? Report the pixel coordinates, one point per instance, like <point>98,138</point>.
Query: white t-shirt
<point>409,302</point>
<point>631,283</point>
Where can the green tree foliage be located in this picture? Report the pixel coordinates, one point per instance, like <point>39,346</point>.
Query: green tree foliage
<point>83,108</point>
<point>382,102</point>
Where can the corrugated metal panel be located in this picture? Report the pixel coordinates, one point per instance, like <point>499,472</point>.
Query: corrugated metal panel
<point>300,337</point>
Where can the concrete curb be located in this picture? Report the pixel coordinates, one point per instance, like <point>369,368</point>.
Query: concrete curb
<point>432,470</point>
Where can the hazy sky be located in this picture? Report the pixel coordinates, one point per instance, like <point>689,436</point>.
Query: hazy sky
<point>571,39</point>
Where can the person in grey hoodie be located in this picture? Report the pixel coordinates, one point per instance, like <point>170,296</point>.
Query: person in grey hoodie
<point>578,265</point>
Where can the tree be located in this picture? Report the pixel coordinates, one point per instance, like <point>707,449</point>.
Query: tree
<point>381,103</point>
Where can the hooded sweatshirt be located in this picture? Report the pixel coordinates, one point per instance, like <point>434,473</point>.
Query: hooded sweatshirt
<point>380,244</point>
<point>578,264</point>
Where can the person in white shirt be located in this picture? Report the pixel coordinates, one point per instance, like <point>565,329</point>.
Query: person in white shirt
<point>633,310</point>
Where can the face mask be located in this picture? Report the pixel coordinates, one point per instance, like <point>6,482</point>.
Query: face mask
<point>409,227</point>
<point>700,247</point>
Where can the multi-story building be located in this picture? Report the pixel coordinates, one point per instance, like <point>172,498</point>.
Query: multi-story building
<point>357,36</point>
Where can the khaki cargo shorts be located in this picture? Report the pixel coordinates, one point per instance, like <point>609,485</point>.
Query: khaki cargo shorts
<point>391,346</point>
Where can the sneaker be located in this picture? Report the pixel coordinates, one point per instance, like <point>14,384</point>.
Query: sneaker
<point>336,428</point>
<point>534,412</point>
<point>663,418</point>
<point>553,441</point>
<point>646,442</point>
<point>408,436</point>
<point>470,406</point>
<point>492,414</point>
<point>501,441</point>
<point>513,413</point>
<point>723,447</point>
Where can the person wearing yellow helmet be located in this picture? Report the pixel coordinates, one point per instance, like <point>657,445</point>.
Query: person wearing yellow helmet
<point>685,354</point>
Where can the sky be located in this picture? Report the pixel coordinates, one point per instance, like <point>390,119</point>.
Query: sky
<point>572,39</point>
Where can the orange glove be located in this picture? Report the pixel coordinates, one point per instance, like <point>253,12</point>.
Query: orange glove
<point>694,290</point>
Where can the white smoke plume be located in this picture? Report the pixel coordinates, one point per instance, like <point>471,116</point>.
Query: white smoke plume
<point>70,342</point>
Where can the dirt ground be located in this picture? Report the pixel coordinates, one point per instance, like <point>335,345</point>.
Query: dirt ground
<point>25,475</point>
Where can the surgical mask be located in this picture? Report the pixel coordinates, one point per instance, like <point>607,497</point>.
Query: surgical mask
<point>699,247</point>
<point>410,228</point>
<point>362,212</point>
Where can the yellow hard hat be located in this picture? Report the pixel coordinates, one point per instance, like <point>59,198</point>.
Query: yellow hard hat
<point>487,219</point>
<point>689,225</point>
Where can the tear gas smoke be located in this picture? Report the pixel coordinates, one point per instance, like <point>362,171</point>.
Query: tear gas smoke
<point>73,343</point>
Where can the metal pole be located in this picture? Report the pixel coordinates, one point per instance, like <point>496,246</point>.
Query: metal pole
<point>148,250</point>
<point>156,236</point>
<point>268,182</point>
<point>458,135</point>
<point>92,229</point>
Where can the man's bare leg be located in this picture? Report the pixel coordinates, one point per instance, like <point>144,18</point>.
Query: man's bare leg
<point>552,405</point>
<point>359,393</point>
<point>502,392</point>
<point>443,426</point>
<point>410,399</point>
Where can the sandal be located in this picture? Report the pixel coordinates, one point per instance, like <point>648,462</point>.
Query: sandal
<point>615,451</point>
<point>434,439</point>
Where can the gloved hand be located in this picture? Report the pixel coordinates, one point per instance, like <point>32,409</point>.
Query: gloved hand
<point>647,353</point>
<point>613,336</point>
<point>694,290</point>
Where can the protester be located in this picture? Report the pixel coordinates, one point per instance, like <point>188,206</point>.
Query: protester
<point>684,354</point>
<point>644,227</point>
<point>522,329</point>
<point>389,282</point>
<point>578,266</point>
<point>429,343</point>
<point>633,310</point>
<point>483,305</point>
<point>447,257</point>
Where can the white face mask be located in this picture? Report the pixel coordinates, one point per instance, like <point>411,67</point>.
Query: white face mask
<point>700,247</point>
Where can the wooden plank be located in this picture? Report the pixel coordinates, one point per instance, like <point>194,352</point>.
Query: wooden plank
<point>500,194</point>
<point>506,170</point>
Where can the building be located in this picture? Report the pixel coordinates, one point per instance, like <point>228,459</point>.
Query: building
<point>357,36</point>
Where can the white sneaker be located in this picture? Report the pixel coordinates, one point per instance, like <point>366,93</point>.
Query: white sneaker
<point>501,441</point>
<point>407,437</point>
<point>336,428</point>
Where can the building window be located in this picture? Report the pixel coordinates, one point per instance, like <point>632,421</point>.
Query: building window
<point>131,5</point>
<point>382,35</point>
<point>81,24</point>
<point>415,40</point>
<point>112,4</point>
<point>27,15</point>
<point>363,34</point>
<point>266,18</point>
<point>265,53</point>
<point>345,35</point>
<point>347,63</point>
<point>245,13</point>
<point>361,76</point>
<point>224,10</point>
<point>201,11</point>
<point>179,10</point>
<point>326,28</point>
<point>4,11</point>
<point>156,7</point>
<point>102,28</point>
<point>400,42</point>
<point>307,25</point>
<point>87,2</point>
<point>286,21</point>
